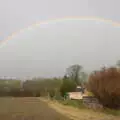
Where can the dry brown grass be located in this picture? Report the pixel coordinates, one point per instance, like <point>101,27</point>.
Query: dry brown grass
<point>77,114</point>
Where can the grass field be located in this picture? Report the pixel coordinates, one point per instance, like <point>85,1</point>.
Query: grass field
<point>27,109</point>
<point>79,113</point>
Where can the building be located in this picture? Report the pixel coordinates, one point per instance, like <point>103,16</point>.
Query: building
<point>78,94</point>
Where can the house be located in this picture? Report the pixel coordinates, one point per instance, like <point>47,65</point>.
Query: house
<point>78,94</point>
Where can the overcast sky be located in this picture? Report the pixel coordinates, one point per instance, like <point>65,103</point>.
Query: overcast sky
<point>47,50</point>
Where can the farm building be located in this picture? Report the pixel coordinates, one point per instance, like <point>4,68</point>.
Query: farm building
<point>78,94</point>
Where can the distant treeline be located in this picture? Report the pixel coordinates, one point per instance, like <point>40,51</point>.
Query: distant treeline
<point>43,87</point>
<point>36,87</point>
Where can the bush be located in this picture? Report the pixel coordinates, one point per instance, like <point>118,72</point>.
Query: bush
<point>105,85</point>
<point>52,93</point>
<point>67,86</point>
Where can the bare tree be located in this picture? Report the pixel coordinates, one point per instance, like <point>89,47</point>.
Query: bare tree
<point>73,72</point>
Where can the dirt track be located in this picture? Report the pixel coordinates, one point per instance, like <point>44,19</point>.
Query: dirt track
<point>27,109</point>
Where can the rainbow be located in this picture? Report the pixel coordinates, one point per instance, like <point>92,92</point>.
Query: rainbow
<point>109,21</point>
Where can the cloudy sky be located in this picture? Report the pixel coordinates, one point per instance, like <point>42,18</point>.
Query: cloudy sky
<point>47,50</point>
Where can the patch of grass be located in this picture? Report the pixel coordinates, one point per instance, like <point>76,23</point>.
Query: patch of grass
<point>112,112</point>
<point>79,104</point>
<point>74,103</point>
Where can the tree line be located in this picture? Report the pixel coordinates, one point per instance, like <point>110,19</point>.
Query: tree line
<point>42,87</point>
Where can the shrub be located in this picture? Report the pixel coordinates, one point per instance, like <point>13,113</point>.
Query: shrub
<point>52,93</point>
<point>67,86</point>
<point>105,85</point>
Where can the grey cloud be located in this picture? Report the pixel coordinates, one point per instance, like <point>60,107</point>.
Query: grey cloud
<point>48,50</point>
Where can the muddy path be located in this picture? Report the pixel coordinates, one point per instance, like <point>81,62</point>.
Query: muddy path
<point>27,109</point>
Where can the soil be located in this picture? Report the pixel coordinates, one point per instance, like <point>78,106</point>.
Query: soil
<point>27,109</point>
